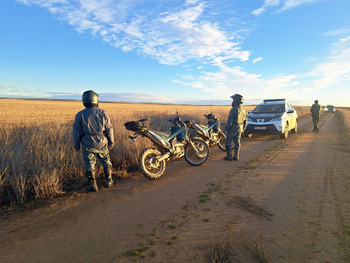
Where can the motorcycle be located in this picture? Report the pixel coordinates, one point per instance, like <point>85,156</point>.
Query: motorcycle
<point>211,133</point>
<point>170,145</point>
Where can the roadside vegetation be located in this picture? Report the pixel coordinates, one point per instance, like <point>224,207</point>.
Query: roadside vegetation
<point>37,161</point>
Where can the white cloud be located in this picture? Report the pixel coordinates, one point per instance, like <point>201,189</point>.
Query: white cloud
<point>266,4</point>
<point>338,32</point>
<point>257,60</point>
<point>170,34</point>
<point>336,69</point>
<point>282,5</point>
<point>10,91</point>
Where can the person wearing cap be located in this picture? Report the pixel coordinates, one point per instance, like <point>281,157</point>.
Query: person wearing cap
<point>235,125</point>
<point>315,114</point>
<point>93,131</point>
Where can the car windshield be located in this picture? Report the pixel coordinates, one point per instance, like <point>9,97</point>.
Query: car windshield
<point>330,107</point>
<point>269,108</point>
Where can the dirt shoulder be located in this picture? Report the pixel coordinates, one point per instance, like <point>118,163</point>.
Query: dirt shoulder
<point>284,201</point>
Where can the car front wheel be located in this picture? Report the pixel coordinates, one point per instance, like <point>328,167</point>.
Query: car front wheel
<point>295,129</point>
<point>284,135</point>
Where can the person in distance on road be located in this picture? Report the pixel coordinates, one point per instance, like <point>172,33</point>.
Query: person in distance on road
<point>235,125</point>
<point>315,113</point>
<point>93,130</point>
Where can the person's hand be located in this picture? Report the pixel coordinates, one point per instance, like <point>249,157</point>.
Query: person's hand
<point>110,147</point>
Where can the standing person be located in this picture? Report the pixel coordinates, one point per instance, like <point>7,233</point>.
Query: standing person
<point>235,125</point>
<point>93,129</point>
<point>315,113</point>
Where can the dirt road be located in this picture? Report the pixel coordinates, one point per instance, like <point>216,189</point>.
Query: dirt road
<point>284,201</point>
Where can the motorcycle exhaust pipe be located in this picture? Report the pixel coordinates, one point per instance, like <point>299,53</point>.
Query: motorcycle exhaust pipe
<point>163,157</point>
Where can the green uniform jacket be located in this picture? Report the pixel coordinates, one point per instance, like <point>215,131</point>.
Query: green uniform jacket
<point>237,119</point>
<point>315,110</point>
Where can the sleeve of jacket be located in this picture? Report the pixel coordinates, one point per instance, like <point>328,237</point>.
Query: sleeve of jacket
<point>245,121</point>
<point>109,132</point>
<point>230,119</point>
<point>77,131</point>
<point>312,109</point>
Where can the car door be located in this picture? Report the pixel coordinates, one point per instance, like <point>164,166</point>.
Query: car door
<point>291,116</point>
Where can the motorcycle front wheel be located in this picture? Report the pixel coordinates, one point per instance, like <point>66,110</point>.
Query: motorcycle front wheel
<point>149,165</point>
<point>196,153</point>
<point>221,143</point>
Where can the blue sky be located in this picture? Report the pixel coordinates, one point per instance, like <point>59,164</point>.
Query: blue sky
<point>178,51</point>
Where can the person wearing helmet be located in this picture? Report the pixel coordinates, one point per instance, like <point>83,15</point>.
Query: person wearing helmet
<point>235,125</point>
<point>315,114</point>
<point>93,130</point>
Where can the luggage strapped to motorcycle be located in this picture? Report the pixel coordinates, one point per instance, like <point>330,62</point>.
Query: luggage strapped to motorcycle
<point>133,126</point>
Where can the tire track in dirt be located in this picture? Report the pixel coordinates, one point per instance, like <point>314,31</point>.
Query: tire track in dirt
<point>309,203</point>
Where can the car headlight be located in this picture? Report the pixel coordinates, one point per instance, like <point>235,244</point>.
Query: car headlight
<point>276,119</point>
<point>249,119</point>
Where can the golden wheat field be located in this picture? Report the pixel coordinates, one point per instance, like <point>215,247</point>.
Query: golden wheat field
<point>37,158</point>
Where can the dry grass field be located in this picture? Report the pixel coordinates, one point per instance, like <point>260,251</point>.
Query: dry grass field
<point>37,161</point>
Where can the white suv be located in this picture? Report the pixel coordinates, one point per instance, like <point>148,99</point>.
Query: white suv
<point>272,116</point>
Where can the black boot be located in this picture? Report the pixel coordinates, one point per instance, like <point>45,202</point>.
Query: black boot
<point>228,157</point>
<point>92,187</point>
<point>108,174</point>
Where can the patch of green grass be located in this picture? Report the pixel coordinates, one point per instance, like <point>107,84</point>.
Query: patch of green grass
<point>152,243</point>
<point>139,225</point>
<point>137,252</point>
<point>204,198</point>
<point>206,220</point>
<point>347,230</point>
<point>172,226</point>
<point>174,237</point>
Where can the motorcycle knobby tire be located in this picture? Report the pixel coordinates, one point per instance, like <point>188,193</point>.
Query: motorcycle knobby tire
<point>151,168</point>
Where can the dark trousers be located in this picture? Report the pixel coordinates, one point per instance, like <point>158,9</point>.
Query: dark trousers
<point>315,119</point>
<point>236,137</point>
<point>91,155</point>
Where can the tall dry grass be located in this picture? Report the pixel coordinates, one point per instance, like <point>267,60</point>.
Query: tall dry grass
<point>37,160</point>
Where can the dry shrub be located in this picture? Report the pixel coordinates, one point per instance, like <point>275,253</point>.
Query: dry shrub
<point>257,248</point>
<point>18,186</point>
<point>34,153</point>
<point>37,160</point>
<point>47,184</point>
<point>221,251</point>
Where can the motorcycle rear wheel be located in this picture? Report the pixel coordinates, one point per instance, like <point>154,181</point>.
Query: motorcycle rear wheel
<point>150,167</point>
<point>196,158</point>
<point>221,143</point>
